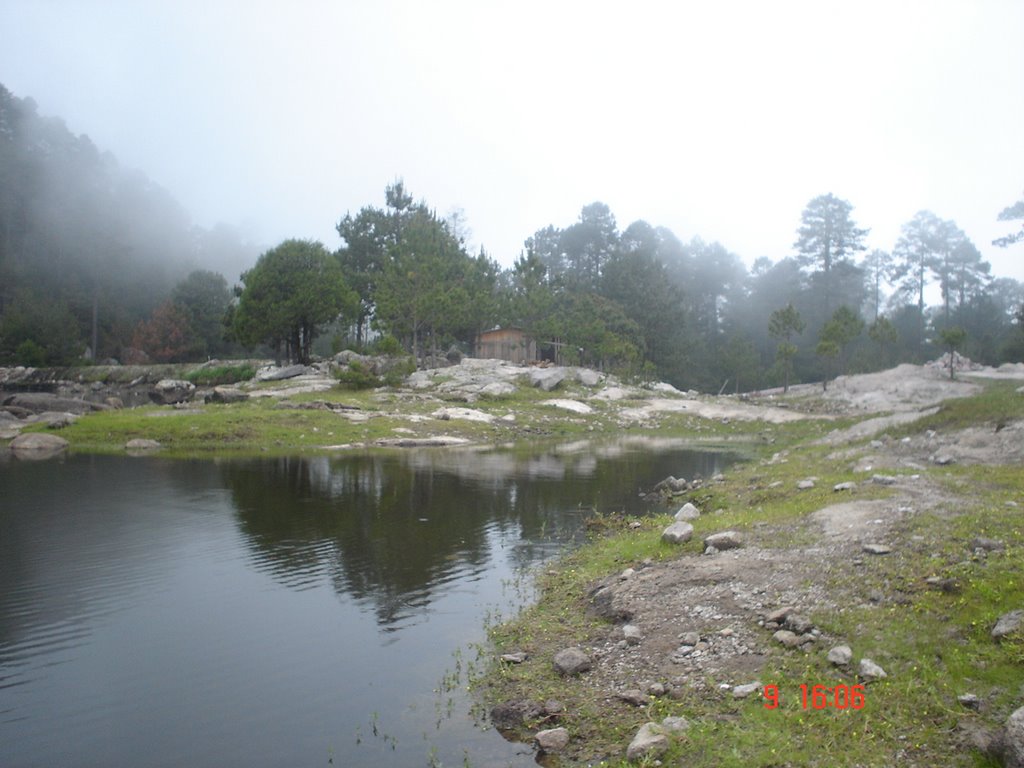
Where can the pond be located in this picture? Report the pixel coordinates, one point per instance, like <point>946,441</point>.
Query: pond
<point>285,611</point>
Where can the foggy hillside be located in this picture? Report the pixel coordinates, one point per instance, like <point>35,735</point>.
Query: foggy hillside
<point>80,234</point>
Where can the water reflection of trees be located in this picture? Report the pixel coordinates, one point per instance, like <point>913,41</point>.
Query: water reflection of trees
<point>392,530</point>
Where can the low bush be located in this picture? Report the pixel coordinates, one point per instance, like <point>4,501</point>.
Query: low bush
<point>222,374</point>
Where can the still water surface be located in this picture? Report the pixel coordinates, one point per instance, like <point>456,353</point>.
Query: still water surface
<point>298,612</point>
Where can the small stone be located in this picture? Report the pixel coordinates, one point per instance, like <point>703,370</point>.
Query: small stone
<point>1008,624</point>
<point>743,691</point>
<point>656,689</point>
<point>969,701</point>
<point>877,549</point>
<point>689,638</point>
<point>989,545</point>
<point>723,540</point>
<point>552,740</point>
<point>805,485</point>
<point>677,533</point>
<point>516,657</point>
<point>787,638</point>
<point>571,661</point>
<point>627,574</point>
<point>779,614</point>
<point>848,486</point>
<point>553,707</point>
<point>633,696</point>
<point>687,512</point>
<point>870,671</point>
<point>884,479</point>
<point>649,741</point>
<point>631,633</point>
<point>799,624</point>
<point>943,460</point>
<point>840,655</point>
<point>675,724</point>
<point>710,551</point>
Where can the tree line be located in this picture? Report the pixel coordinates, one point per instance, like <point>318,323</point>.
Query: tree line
<point>642,302</point>
<point>96,259</point>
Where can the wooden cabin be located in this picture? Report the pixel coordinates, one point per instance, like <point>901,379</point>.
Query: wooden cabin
<point>512,344</point>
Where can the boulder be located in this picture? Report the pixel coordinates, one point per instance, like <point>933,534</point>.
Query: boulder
<point>55,420</point>
<point>40,402</point>
<point>552,740</point>
<point>547,379</point>
<point>172,391</point>
<point>606,602</point>
<point>687,512</point>
<point>515,714</point>
<point>588,377</point>
<point>724,540</point>
<point>1013,740</point>
<point>650,742</point>
<point>1008,624</point>
<point>38,445</point>
<point>140,445</point>
<point>571,661</point>
<point>677,533</point>
<point>228,394</point>
<point>288,372</point>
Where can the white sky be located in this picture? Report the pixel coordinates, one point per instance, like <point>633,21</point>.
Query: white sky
<point>718,119</point>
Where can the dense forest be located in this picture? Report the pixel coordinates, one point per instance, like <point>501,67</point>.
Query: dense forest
<point>89,249</point>
<point>98,262</point>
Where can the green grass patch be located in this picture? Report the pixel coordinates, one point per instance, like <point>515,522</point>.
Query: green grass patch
<point>999,403</point>
<point>220,374</point>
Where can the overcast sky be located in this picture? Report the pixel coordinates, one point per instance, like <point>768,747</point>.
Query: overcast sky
<point>718,119</point>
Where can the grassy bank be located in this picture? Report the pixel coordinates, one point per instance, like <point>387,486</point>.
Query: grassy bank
<point>927,610</point>
<point>321,422</point>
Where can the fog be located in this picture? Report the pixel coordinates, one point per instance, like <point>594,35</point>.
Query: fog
<point>719,120</point>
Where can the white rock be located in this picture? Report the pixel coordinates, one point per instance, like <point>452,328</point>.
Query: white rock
<point>570,405</point>
<point>677,533</point>
<point>650,741</point>
<point>840,655</point>
<point>869,671</point>
<point>687,512</point>
<point>743,691</point>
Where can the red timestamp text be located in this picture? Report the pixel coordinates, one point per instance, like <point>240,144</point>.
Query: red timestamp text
<point>820,696</point>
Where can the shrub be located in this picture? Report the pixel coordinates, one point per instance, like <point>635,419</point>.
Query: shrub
<point>358,376</point>
<point>388,345</point>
